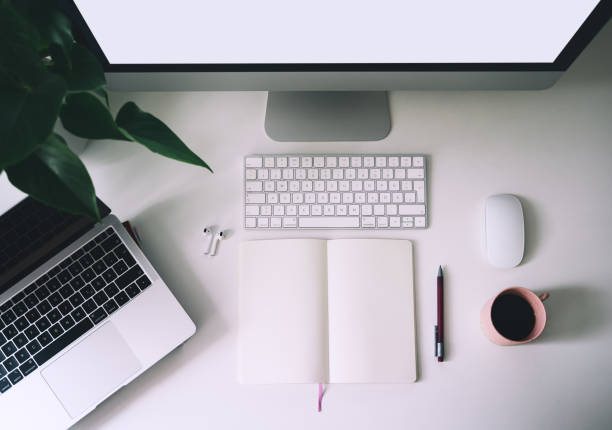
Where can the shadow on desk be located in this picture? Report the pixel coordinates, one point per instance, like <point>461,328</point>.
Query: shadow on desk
<point>574,313</point>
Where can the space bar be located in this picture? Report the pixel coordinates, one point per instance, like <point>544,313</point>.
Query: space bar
<point>63,341</point>
<point>329,222</point>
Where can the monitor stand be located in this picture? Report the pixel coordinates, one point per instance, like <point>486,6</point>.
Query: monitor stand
<point>324,116</point>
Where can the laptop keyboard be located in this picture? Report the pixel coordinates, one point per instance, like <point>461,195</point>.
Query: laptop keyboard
<point>64,303</point>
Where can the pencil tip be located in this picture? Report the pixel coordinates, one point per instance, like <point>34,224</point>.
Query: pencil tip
<point>439,270</point>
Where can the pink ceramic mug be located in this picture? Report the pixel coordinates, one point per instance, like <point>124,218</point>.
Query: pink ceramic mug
<point>536,304</point>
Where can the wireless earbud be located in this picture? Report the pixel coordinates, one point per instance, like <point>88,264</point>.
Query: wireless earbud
<point>218,238</point>
<point>208,232</point>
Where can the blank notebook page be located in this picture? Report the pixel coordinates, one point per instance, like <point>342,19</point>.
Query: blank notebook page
<point>371,311</point>
<point>283,312</point>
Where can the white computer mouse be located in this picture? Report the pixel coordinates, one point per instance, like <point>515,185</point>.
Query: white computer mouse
<point>504,230</point>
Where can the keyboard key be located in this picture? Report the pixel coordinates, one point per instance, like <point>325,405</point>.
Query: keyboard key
<point>3,340</point>
<point>143,282</point>
<point>77,283</point>
<point>110,306</point>
<point>62,342</point>
<point>16,299</point>
<point>31,332</point>
<point>10,332</point>
<point>98,316</point>
<point>28,367</point>
<point>67,322</point>
<point>8,317</point>
<point>111,290</point>
<point>110,259</point>
<point>121,298</point>
<point>329,222</point>
<point>88,275</point>
<point>66,291</point>
<point>65,263</point>
<point>21,323</point>
<point>45,339</point>
<point>109,275</point>
<point>56,330</point>
<point>78,314</point>
<point>129,260</point>
<point>20,309</point>
<point>29,289</point>
<point>41,281</point>
<point>89,306</point>
<point>53,284</point>
<point>76,299</point>
<point>20,340</point>
<point>33,347</point>
<point>15,377</point>
<point>86,260</point>
<point>90,245</point>
<point>10,363</point>
<point>65,307</point>
<point>4,385</point>
<point>99,267</point>
<point>55,299</point>
<point>64,277</point>
<point>100,298</point>
<point>98,283</point>
<point>132,290</point>
<point>129,277</point>
<point>22,355</point>
<point>33,315</point>
<point>54,316</point>
<point>42,292</point>
<point>121,251</point>
<point>6,306</point>
<point>43,324</point>
<point>88,291</point>
<point>97,253</point>
<point>111,242</point>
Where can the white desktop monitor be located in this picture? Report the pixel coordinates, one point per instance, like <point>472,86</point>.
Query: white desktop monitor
<point>329,63</point>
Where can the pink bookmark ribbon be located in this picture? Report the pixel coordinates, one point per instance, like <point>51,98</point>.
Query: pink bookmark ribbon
<point>321,392</point>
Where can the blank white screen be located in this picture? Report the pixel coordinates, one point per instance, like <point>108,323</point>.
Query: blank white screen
<point>333,31</point>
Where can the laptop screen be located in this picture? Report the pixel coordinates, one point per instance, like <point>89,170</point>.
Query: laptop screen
<point>32,233</point>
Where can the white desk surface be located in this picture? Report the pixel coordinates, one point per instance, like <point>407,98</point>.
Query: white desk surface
<point>552,148</point>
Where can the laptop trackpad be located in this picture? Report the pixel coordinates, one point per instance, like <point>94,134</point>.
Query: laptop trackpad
<point>91,370</point>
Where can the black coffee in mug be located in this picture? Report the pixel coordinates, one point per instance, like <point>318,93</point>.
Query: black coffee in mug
<point>512,316</point>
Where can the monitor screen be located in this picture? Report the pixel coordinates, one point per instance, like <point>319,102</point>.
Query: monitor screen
<point>333,31</point>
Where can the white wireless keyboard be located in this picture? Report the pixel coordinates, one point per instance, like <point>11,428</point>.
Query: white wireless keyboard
<point>296,191</point>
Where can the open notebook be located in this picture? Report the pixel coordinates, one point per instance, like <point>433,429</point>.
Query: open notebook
<point>326,311</point>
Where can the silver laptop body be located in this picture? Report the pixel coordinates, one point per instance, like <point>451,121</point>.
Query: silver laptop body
<point>109,355</point>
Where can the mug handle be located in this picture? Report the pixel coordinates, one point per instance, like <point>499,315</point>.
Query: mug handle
<point>544,296</point>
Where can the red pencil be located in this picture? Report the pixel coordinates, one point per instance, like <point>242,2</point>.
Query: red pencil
<point>439,329</point>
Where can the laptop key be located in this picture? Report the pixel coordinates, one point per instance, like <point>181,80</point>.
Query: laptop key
<point>89,245</point>
<point>10,331</point>
<point>62,342</point>
<point>54,316</point>
<point>88,291</point>
<point>28,367</point>
<point>8,317</point>
<point>15,377</point>
<point>17,297</point>
<point>100,298</point>
<point>110,259</point>
<point>143,282</point>
<point>76,299</point>
<point>111,290</point>
<point>67,322</point>
<point>66,291</point>
<point>56,330</point>
<point>31,332</point>
<point>21,323</point>
<point>20,309</point>
<point>64,276</point>
<point>41,281</point>
<point>77,283</point>
<point>6,306</point>
<point>65,308</point>
<point>98,316</point>
<point>88,275</point>
<point>31,300</point>
<point>53,284</point>
<point>43,307</point>
<point>99,267</point>
<point>89,306</point>
<point>121,251</point>
<point>111,242</point>
<point>54,271</point>
<point>43,324</point>
<point>4,385</point>
<point>109,275</point>
<point>78,314</point>
<point>45,339</point>
<point>98,283</point>
<point>33,347</point>
<point>33,315</point>
<point>97,253</point>
<point>30,288</point>
<point>20,340</point>
<point>65,263</point>
<point>86,261</point>
<point>120,267</point>
<point>3,371</point>
<point>2,341</point>
<point>10,363</point>
<point>110,306</point>
<point>55,299</point>
<point>22,355</point>
<point>129,260</point>
<point>9,349</point>
<point>132,290</point>
<point>121,298</point>
<point>42,292</point>
<point>75,268</point>
<point>128,277</point>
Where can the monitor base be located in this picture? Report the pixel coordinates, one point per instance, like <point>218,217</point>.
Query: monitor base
<point>327,116</point>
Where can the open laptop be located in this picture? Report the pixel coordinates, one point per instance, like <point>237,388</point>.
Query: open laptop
<point>82,313</point>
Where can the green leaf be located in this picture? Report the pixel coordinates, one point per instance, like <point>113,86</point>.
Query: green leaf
<point>83,72</point>
<point>84,115</point>
<point>54,175</point>
<point>144,128</point>
<point>27,117</point>
<point>53,27</point>
<point>100,92</point>
<point>19,58</point>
